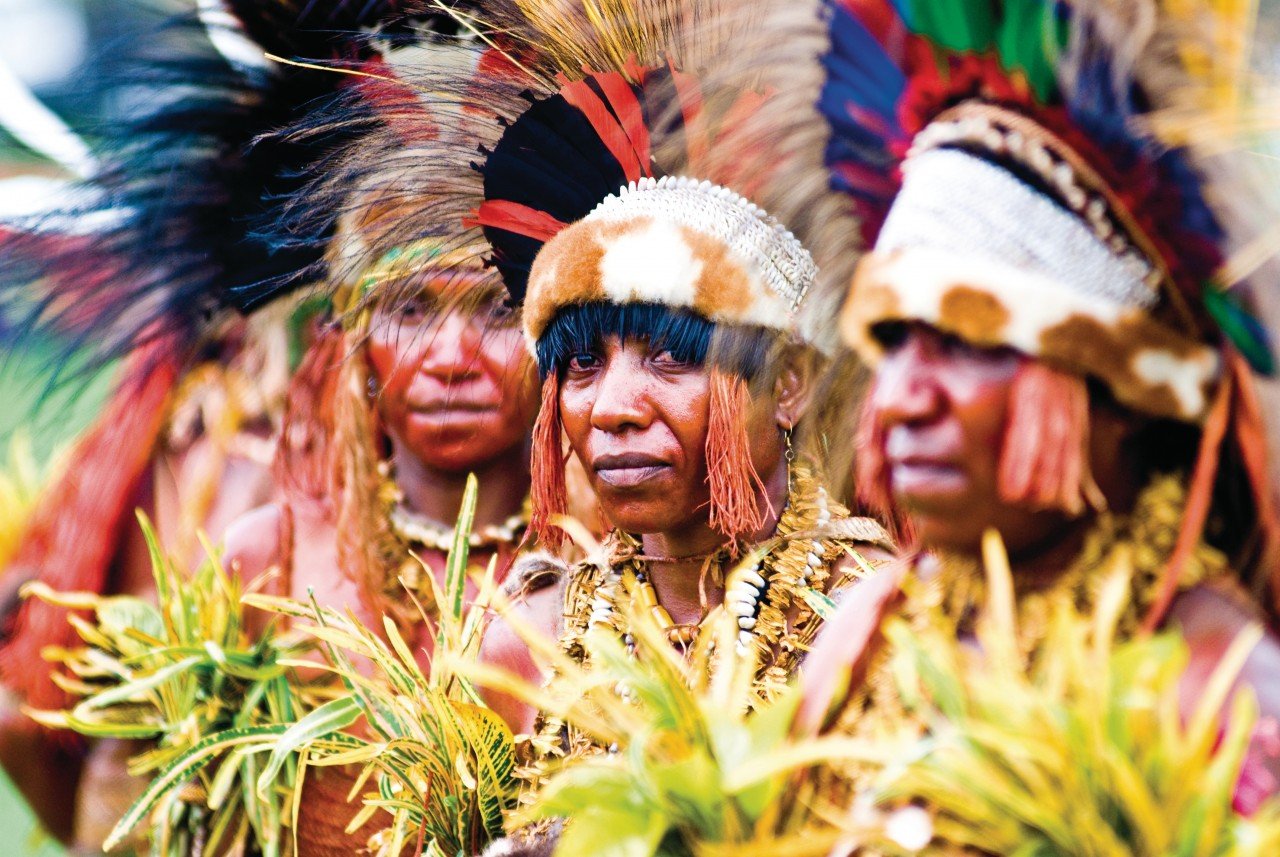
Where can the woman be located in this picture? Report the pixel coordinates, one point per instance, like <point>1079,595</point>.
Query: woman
<point>667,314</point>
<point>196,412</point>
<point>1054,358</point>
<point>392,409</point>
<point>188,429</point>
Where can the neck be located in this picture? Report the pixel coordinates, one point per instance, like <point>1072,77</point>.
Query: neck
<point>437,494</point>
<point>1039,566</point>
<point>679,585</point>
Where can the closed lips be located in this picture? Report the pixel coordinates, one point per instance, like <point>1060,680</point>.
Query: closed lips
<point>624,471</point>
<point>452,405</point>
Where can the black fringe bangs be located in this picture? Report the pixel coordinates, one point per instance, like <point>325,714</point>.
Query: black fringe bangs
<point>690,337</point>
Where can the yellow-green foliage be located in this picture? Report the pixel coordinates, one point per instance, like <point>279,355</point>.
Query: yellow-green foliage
<point>700,764</point>
<point>440,762</point>
<point>1083,750</point>
<point>188,676</point>
<point>1080,751</point>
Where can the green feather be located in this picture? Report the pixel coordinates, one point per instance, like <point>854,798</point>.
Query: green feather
<point>1240,328</point>
<point>957,25</point>
<point>1029,41</point>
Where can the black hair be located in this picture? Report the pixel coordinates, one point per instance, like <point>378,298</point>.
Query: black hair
<point>689,336</point>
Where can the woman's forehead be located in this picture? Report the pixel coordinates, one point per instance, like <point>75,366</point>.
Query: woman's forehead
<point>459,287</point>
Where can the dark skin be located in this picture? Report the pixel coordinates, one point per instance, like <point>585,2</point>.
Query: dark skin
<point>943,405</point>
<point>456,395</point>
<point>637,418</point>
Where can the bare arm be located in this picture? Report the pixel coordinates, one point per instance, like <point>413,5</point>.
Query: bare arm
<point>1210,618</point>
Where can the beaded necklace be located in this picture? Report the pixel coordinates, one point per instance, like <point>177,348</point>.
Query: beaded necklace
<point>954,596</point>
<point>766,598</point>
<point>419,530</point>
<point>416,533</point>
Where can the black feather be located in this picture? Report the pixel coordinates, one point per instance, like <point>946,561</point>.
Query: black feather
<point>169,228</point>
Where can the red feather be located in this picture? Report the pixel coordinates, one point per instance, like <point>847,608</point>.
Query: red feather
<point>75,530</point>
<point>622,98</point>
<point>606,125</point>
<point>516,218</point>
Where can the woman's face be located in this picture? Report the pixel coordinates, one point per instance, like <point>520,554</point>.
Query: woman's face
<point>942,407</point>
<point>455,384</point>
<point>637,418</point>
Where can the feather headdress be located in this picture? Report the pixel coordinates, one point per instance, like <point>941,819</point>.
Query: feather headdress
<point>611,155</point>
<point>161,249</point>
<point>602,204</point>
<point>1013,188</point>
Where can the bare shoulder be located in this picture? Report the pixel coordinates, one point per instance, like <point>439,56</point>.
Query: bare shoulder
<point>254,541</point>
<point>1210,618</point>
<point>534,591</point>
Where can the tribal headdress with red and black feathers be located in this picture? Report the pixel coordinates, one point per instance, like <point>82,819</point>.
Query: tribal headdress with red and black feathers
<point>607,214</point>
<point>174,235</point>
<point>1004,166</point>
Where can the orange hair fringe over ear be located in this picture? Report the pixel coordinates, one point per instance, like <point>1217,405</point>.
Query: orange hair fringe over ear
<point>735,511</point>
<point>1044,461</point>
<point>548,493</point>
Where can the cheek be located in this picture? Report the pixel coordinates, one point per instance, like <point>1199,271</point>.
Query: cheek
<point>683,406</point>
<point>576,399</point>
<point>510,369</point>
<point>982,409</point>
<point>392,361</point>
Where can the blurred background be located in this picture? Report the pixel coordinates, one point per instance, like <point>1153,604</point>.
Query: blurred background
<point>61,52</point>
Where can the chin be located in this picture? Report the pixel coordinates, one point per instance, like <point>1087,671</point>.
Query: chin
<point>941,534</point>
<point>459,457</point>
<point>653,513</point>
<point>639,518</point>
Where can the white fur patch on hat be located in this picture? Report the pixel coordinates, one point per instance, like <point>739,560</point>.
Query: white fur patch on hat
<point>654,264</point>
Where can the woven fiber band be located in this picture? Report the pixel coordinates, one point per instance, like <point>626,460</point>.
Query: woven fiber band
<point>956,202</point>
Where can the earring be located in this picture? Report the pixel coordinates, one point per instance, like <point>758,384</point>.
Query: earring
<point>372,387</point>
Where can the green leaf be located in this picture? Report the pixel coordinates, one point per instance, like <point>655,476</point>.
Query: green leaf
<point>176,774</point>
<point>610,818</point>
<point>121,614</point>
<point>456,566</point>
<point>322,722</point>
<point>819,602</point>
<point>131,690</point>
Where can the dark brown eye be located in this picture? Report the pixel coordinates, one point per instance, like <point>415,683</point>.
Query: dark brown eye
<point>583,362</point>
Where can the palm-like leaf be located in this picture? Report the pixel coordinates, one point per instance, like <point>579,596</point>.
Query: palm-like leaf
<point>699,760</point>
<point>1082,750</point>
<point>433,757</point>
<point>188,676</point>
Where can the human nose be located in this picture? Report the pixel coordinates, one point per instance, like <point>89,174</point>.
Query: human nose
<point>452,351</point>
<point>620,402</point>
<point>907,388</point>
